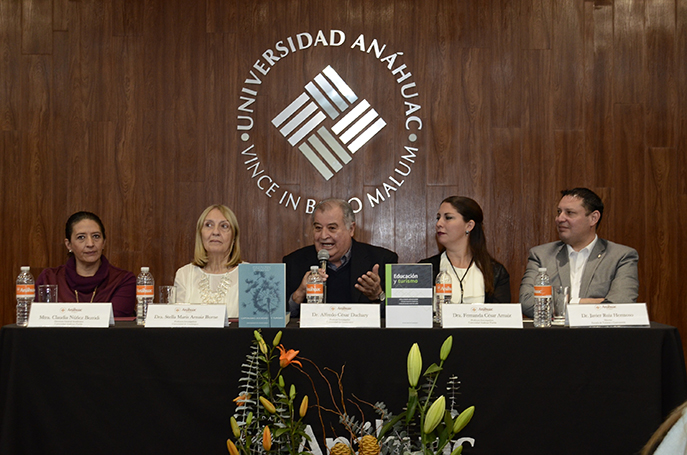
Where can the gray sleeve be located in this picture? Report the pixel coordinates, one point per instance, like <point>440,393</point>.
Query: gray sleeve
<point>625,285</point>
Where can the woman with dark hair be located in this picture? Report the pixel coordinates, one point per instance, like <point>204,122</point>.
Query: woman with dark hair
<point>212,277</point>
<point>88,276</point>
<point>477,277</point>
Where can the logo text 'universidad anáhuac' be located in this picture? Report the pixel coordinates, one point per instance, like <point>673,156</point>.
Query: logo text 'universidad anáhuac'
<point>328,122</point>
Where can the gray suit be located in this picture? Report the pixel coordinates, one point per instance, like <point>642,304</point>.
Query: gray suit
<point>610,272</point>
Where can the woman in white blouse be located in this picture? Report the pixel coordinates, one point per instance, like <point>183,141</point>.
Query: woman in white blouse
<point>212,277</point>
<point>476,276</point>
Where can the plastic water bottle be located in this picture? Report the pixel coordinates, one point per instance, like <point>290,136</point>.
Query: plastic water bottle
<point>145,291</point>
<point>442,293</point>
<point>26,292</point>
<point>314,292</point>
<point>542,299</point>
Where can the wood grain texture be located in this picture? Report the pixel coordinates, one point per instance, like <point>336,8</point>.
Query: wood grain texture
<point>661,183</point>
<point>132,110</point>
<point>661,93</point>
<point>629,50</point>
<point>36,26</point>
<point>597,92</point>
<point>567,74</point>
<point>10,55</point>
<point>681,114</point>
<point>537,23</point>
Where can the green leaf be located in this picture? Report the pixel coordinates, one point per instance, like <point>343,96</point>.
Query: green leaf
<point>448,420</point>
<point>432,369</point>
<point>412,404</point>
<point>390,424</point>
<point>280,432</point>
<point>444,435</point>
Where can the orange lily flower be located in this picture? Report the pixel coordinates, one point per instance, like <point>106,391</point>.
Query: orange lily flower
<point>286,357</point>
<point>267,439</point>
<point>240,400</point>
<point>232,448</point>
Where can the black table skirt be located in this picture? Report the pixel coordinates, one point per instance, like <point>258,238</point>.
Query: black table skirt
<point>536,391</point>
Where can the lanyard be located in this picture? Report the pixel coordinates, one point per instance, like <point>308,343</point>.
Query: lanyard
<point>460,280</point>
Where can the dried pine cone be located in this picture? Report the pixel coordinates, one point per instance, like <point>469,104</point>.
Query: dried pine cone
<point>368,445</point>
<point>341,449</point>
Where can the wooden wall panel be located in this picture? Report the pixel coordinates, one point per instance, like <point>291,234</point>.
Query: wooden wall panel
<point>36,24</point>
<point>660,191</point>
<point>130,109</point>
<point>598,97</point>
<point>10,53</point>
<point>567,74</point>
<point>681,75</point>
<point>537,23</point>
<point>629,58</point>
<point>506,66</point>
<point>538,189</point>
<point>661,89</point>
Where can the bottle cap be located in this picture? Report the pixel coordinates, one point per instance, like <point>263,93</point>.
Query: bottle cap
<point>542,269</point>
<point>313,268</point>
<point>145,269</point>
<point>25,268</point>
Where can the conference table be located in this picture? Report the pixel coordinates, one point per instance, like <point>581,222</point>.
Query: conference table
<point>127,389</point>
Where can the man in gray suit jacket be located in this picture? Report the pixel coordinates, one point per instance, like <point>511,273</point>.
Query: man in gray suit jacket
<point>596,270</point>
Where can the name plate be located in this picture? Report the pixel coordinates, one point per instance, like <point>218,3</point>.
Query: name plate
<point>482,315</point>
<point>186,316</point>
<point>87,315</point>
<point>340,315</point>
<point>608,315</point>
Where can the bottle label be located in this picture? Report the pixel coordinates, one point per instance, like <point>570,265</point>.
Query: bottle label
<point>315,289</point>
<point>542,291</point>
<point>26,290</point>
<point>445,288</point>
<point>144,291</point>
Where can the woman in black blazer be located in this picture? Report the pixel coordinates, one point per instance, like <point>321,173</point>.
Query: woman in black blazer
<point>477,277</point>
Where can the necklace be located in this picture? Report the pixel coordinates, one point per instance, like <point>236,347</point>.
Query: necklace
<point>92,297</point>
<point>214,297</point>
<point>460,280</point>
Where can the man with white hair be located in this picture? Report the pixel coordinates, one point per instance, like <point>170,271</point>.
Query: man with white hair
<point>355,270</point>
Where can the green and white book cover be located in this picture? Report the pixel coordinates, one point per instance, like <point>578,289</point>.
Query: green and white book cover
<point>409,284</point>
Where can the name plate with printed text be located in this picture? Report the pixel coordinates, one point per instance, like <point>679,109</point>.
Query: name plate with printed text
<point>86,315</point>
<point>608,315</point>
<point>186,316</point>
<point>482,316</point>
<point>340,315</point>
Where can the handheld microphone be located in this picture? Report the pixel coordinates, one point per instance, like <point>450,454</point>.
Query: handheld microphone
<point>323,257</point>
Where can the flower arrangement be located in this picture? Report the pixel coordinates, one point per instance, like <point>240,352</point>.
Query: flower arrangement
<point>277,420</point>
<point>437,425</point>
<point>268,420</point>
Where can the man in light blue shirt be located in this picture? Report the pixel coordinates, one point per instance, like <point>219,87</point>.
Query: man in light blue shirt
<point>596,269</point>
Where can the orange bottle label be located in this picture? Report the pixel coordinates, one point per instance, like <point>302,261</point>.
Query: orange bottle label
<point>144,291</point>
<point>444,288</point>
<point>542,291</point>
<point>26,290</point>
<point>315,289</point>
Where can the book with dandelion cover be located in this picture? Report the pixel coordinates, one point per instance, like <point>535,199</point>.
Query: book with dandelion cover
<point>262,295</point>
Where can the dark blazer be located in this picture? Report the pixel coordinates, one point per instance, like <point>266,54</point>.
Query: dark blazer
<point>501,292</point>
<point>363,258</point>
